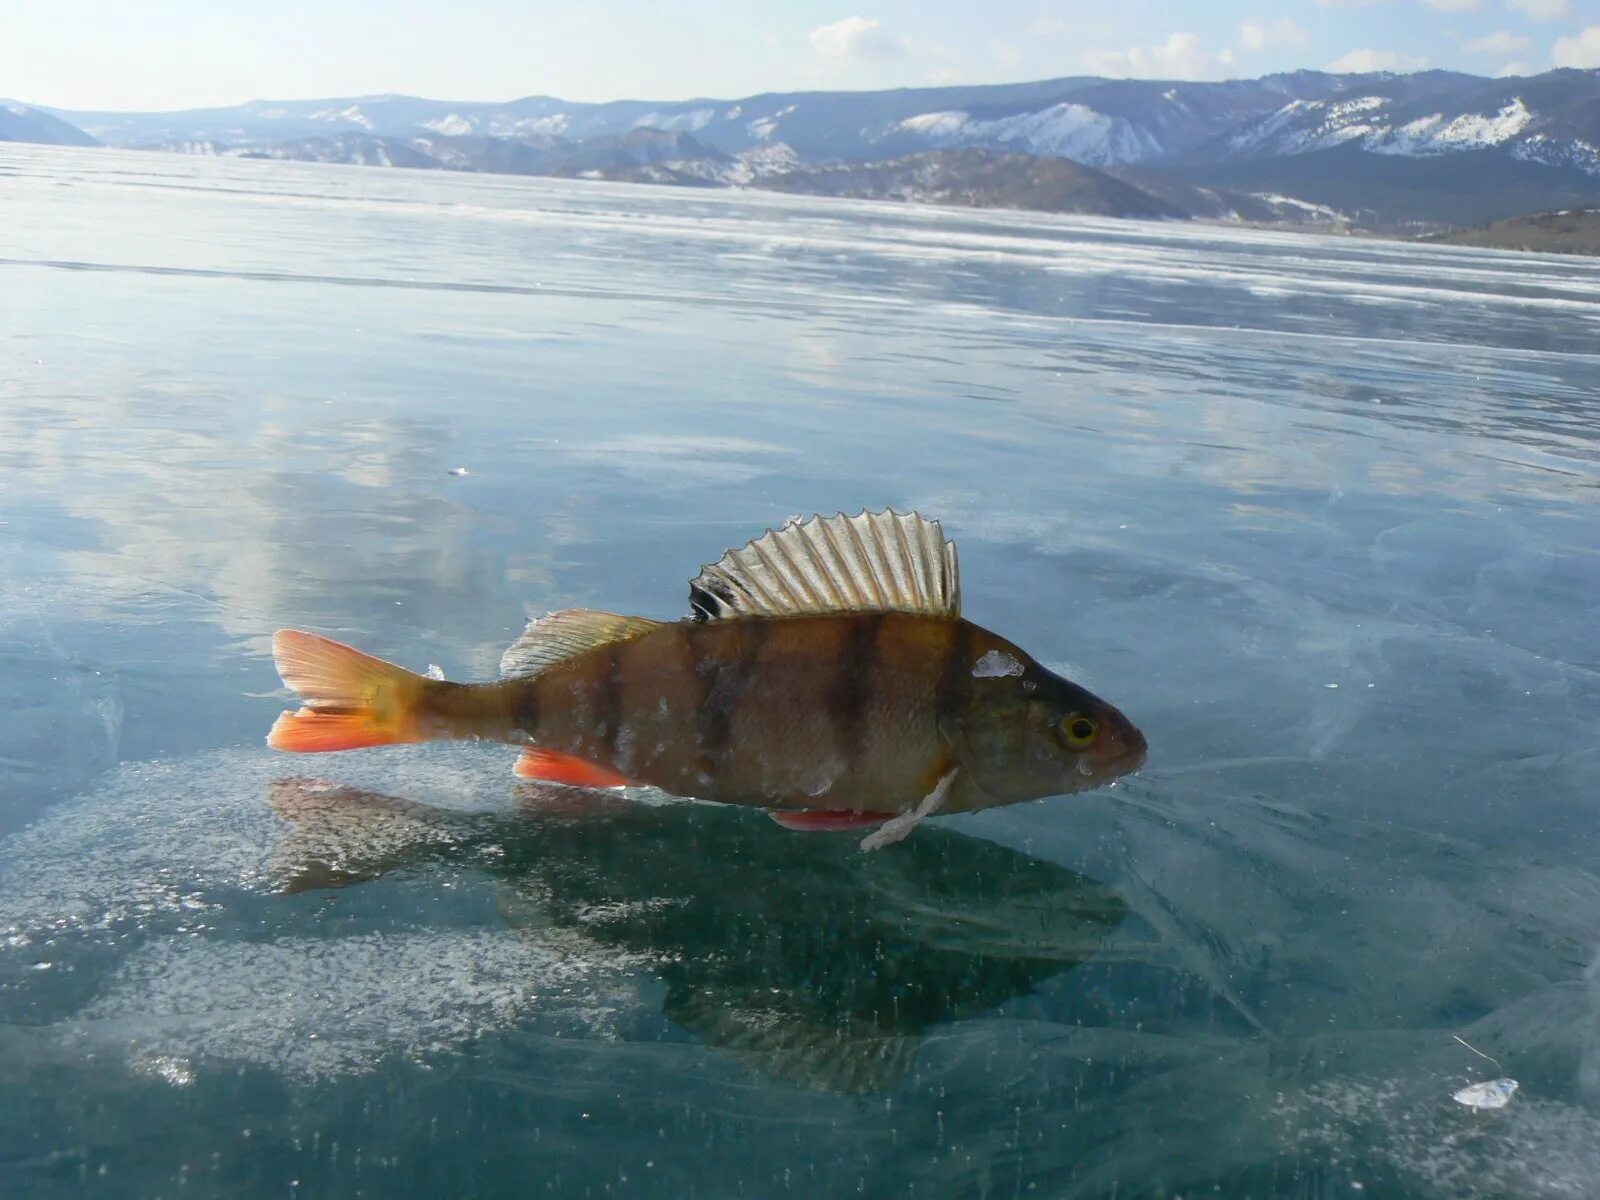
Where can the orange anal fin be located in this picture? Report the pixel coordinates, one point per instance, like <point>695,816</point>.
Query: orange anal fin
<point>563,768</point>
<point>820,821</point>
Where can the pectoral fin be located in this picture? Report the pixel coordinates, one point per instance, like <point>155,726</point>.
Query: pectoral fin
<point>901,826</point>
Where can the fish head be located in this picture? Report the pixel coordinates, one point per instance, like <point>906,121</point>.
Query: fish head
<point>1026,732</point>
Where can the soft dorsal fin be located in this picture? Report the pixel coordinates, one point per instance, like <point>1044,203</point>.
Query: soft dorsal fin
<point>567,634</point>
<point>872,562</point>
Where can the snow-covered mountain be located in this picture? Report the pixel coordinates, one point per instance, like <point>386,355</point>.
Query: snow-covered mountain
<point>643,155</point>
<point>1552,119</point>
<point>981,179</point>
<point>1093,121</point>
<point>1105,120</point>
<point>1428,146</point>
<point>19,123</point>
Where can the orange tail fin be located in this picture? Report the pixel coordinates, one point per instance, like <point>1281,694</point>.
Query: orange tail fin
<point>352,699</point>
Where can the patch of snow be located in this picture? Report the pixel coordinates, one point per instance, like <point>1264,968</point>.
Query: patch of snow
<point>936,124</point>
<point>1065,130</point>
<point>1496,1093</point>
<point>451,125</point>
<point>446,154</point>
<point>1305,125</point>
<point>688,122</point>
<point>1471,131</point>
<point>1576,153</point>
<point>763,127</point>
<point>315,1008</point>
<point>1362,104</point>
<point>996,664</point>
<point>555,125</point>
<point>1321,210</point>
<point>771,159</point>
<point>353,114</point>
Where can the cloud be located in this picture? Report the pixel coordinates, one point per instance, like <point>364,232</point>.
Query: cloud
<point>1345,3</point>
<point>1179,57</point>
<point>1360,62</point>
<point>1258,36</point>
<point>1539,10</point>
<point>1007,52</point>
<point>1501,41</point>
<point>1579,50</point>
<point>1456,5</point>
<point>1517,69</point>
<point>857,39</point>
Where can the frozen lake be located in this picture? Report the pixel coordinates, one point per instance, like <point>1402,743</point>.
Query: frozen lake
<point>1321,515</point>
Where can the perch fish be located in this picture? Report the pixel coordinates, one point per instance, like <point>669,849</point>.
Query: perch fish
<point>826,675</point>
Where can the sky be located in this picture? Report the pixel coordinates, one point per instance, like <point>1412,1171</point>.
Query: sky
<point>171,54</point>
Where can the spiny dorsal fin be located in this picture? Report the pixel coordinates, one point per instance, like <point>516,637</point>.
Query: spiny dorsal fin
<point>872,562</point>
<point>563,635</point>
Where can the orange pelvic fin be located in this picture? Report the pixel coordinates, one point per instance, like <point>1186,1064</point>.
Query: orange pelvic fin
<point>820,821</point>
<point>351,699</point>
<point>563,768</point>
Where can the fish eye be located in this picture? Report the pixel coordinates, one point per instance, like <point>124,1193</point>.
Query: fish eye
<point>1078,730</point>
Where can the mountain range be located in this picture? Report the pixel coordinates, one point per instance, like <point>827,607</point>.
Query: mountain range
<point>1377,149</point>
<point>19,123</point>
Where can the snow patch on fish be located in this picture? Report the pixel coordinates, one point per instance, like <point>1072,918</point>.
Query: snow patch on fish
<point>995,665</point>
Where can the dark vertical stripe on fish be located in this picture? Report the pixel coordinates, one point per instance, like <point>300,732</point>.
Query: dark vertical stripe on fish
<point>953,680</point>
<point>608,705</point>
<point>852,680</point>
<point>723,679</point>
<point>525,709</point>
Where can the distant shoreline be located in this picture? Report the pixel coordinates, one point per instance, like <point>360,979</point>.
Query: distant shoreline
<point>1573,231</point>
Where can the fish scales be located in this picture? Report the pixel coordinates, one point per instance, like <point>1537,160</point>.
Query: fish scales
<point>817,712</point>
<point>827,674</point>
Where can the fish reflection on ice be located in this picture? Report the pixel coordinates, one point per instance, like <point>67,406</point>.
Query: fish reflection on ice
<point>824,965</point>
<point>552,940</point>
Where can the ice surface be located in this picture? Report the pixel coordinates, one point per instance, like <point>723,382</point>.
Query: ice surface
<point>1205,472</point>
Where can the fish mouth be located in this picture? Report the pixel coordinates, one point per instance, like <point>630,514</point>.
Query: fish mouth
<point>1124,755</point>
